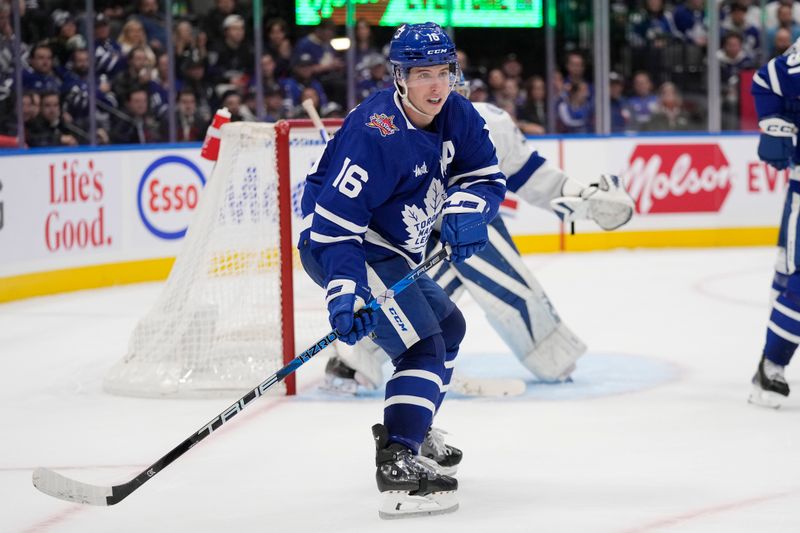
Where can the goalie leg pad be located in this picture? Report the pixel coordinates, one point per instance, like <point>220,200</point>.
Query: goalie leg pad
<point>366,358</point>
<point>553,358</point>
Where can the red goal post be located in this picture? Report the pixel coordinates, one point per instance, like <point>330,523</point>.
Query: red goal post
<point>283,130</point>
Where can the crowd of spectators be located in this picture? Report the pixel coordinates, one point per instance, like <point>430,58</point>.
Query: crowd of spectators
<point>658,54</point>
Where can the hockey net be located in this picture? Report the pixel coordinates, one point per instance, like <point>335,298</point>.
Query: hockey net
<point>224,320</point>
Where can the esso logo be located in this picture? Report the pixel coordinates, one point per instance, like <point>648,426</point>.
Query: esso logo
<point>168,194</point>
<point>678,178</point>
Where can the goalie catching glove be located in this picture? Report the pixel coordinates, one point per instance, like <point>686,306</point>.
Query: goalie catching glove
<point>464,224</point>
<point>346,313</point>
<point>605,201</point>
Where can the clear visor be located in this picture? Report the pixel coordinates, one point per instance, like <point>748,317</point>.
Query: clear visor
<point>445,75</point>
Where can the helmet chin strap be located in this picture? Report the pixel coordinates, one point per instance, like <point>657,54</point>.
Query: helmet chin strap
<point>402,90</point>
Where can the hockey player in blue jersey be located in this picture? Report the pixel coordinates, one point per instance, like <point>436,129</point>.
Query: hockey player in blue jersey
<point>497,278</point>
<point>405,159</point>
<point>776,91</point>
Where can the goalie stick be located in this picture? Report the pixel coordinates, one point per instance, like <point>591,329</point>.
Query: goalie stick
<point>64,488</point>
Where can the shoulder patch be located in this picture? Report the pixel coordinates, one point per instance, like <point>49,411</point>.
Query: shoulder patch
<point>384,124</point>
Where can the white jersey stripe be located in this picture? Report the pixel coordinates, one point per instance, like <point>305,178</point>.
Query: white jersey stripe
<point>410,400</point>
<point>339,221</point>
<point>485,171</point>
<point>782,309</point>
<point>760,81</point>
<point>773,78</point>
<point>422,374</point>
<point>326,239</point>
<point>780,332</point>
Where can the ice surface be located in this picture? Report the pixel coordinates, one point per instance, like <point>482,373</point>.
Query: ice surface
<point>655,433</point>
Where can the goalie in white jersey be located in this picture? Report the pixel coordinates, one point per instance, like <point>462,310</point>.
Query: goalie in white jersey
<point>497,278</point>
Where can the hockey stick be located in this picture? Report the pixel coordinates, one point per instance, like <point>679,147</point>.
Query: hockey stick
<point>64,488</point>
<point>311,111</point>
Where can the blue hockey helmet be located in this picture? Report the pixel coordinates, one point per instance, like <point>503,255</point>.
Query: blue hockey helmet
<point>416,45</point>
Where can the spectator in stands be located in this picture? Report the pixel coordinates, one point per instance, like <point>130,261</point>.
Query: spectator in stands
<point>41,76</point>
<point>267,71</point>
<point>158,88</point>
<point>732,60</point>
<point>512,69</point>
<point>364,45</point>
<point>233,101</point>
<point>133,36</point>
<point>48,129</point>
<point>194,74</point>
<point>736,22</point>
<point>273,103</point>
<point>188,45</point>
<point>771,17</point>
<point>135,76</point>
<point>786,22</point>
<point>66,38</point>
<point>378,79</point>
<point>532,114</point>
<point>575,111</point>
<point>689,21</point>
<point>231,62</point>
<point>6,41</point>
<point>654,27</point>
<point>496,81</point>
<point>138,126</point>
<point>669,114</point>
<point>212,24</point>
<point>317,45</point>
<point>620,114</point>
<point>279,46</point>
<point>328,66</point>
<point>190,125</point>
<point>76,94</point>
<point>511,97</point>
<point>109,59</point>
<point>643,103</point>
<point>302,77</point>
<point>781,42</point>
<point>308,93</point>
<point>30,110</point>
<point>478,91</point>
<point>148,13</point>
<point>576,72</point>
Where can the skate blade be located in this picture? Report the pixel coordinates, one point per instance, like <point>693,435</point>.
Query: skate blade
<point>339,386</point>
<point>398,504</point>
<point>764,398</point>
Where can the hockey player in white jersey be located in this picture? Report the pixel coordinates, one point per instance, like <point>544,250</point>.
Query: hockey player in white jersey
<point>776,91</point>
<point>403,160</point>
<point>496,277</point>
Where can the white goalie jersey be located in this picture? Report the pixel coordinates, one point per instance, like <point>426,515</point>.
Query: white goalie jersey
<point>528,173</point>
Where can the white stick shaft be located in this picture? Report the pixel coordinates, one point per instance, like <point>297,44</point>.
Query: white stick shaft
<point>308,105</point>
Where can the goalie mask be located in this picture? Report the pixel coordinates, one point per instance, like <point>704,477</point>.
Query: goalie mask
<point>421,45</point>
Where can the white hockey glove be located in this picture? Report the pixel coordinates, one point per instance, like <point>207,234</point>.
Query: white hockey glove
<point>605,201</point>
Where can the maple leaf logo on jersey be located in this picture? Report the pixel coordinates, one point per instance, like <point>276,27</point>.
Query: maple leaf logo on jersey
<point>383,123</point>
<point>419,221</point>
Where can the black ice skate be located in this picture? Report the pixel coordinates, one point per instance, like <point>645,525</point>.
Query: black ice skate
<point>446,457</point>
<point>769,386</point>
<point>409,487</point>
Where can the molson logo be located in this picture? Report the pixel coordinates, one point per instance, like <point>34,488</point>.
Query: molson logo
<point>669,178</point>
<point>168,194</point>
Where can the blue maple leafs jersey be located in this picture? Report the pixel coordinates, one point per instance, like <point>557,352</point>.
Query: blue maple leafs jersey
<point>381,183</point>
<point>776,88</point>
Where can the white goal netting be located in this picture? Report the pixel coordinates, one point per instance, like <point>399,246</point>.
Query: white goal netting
<point>217,327</point>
